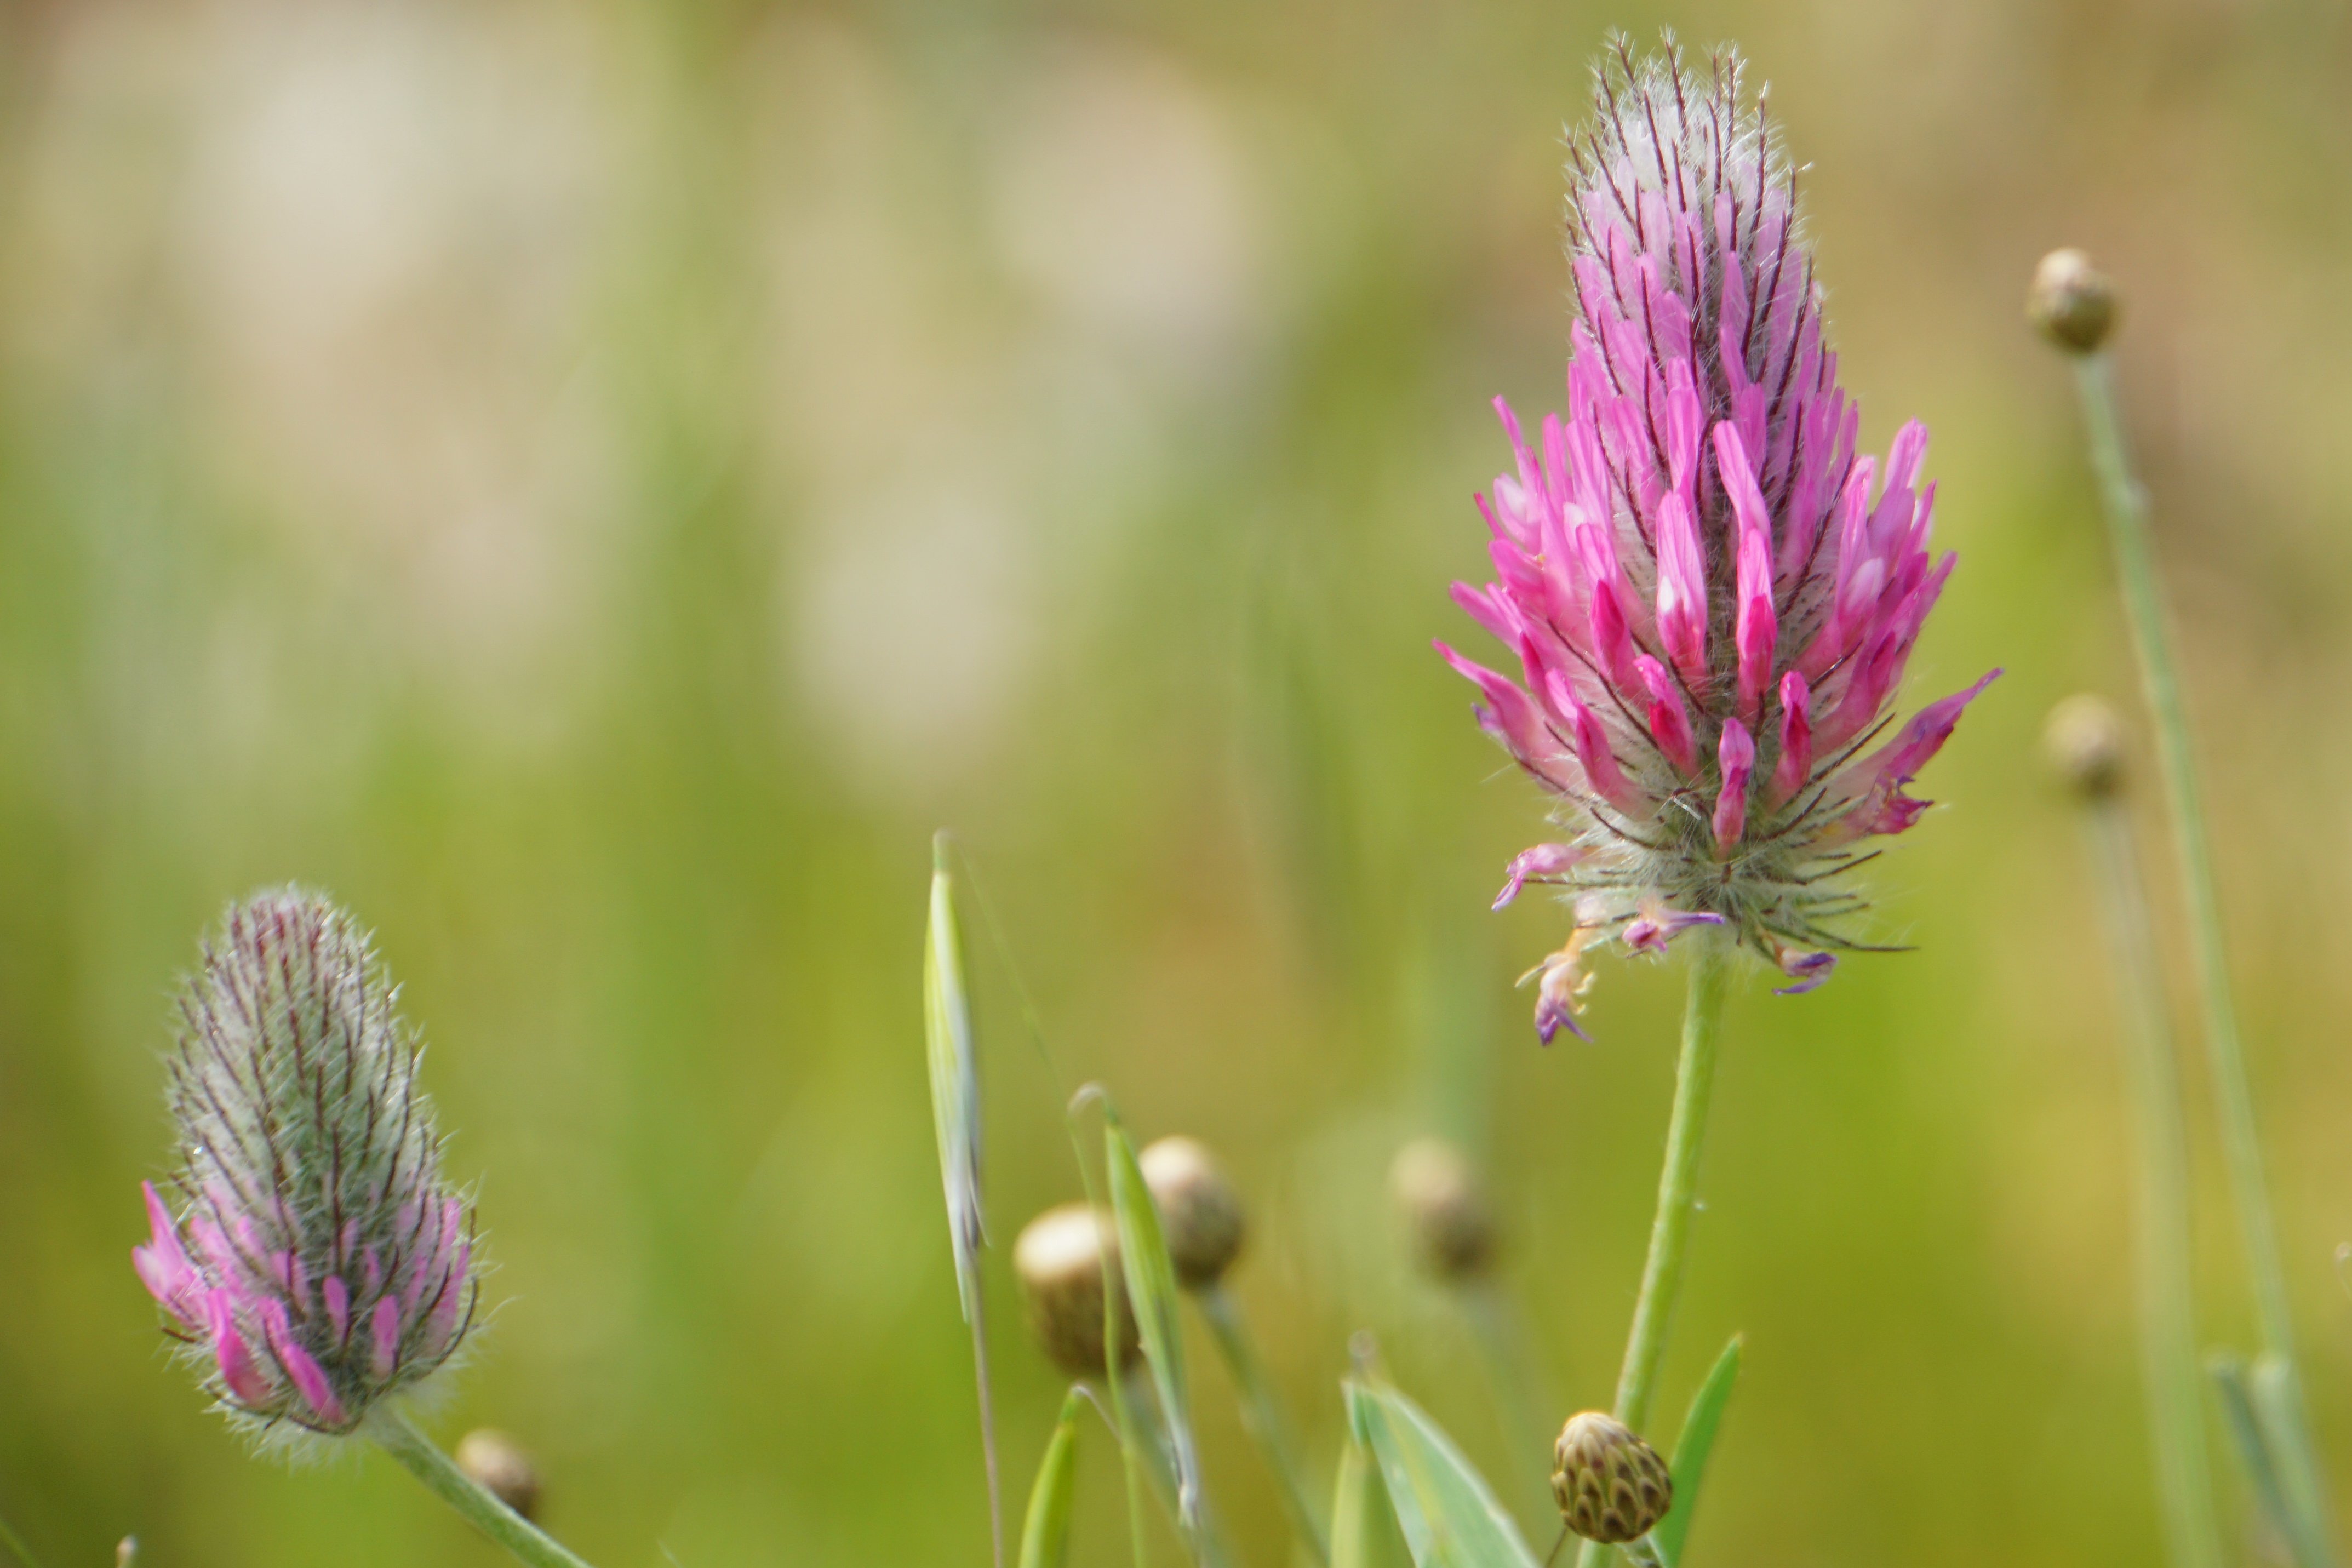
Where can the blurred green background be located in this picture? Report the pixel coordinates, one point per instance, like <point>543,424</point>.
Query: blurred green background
<point>595,485</point>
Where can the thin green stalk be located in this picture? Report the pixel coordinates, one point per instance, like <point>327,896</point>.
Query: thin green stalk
<point>1661,1275</point>
<point>1262,1416</point>
<point>1150,1459</point>
<point>1678,1191</point>
<point>398,1436</point>
<point>1519,1387</point>
<point>2184,1478</point>
<point>2127,532</point>
<point>1114,1294</point>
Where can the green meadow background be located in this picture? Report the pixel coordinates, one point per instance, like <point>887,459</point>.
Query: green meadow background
<point>595,484</point>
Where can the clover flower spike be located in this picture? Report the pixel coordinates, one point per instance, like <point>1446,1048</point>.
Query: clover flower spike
<point>1710,596</point>
<point>310,1260</point>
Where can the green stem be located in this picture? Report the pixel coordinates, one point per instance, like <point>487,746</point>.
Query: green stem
<point>1262,1416</point>
<point>1661,1275</point>
<point>2127,532</point>
<point>2184,1480</point>
<point>397,1435</point>
<point>1151,1457</point>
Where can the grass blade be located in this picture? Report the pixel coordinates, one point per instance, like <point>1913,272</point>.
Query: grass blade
<point>1152,1291</point>
<point>2253,1446</point>
<point>955,1115</point>
<point>2278,1408</point>
<point>1363,1527</point>
<point>1692,1449</point>
<point>955,1078</point>
<point>1444,1507</point>
<point>1046,1531</point>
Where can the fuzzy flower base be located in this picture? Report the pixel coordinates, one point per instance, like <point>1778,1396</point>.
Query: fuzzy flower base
<point>313,1262</point>
<point>1711,597</point>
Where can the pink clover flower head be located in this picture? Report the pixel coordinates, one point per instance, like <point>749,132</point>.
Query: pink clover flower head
<point>1709,595</point>
<point>308,1255</point>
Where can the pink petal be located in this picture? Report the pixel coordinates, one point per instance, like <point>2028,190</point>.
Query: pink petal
<point>238,1370</point>
<point>1670,724</point>
<point>1682,591</point>
<point>337,1297</point>
<point>162,1264</point>
<point>309,1379</point>
<point>1736,756</point>
<point>1796,763</point>
<point>1510,716</point>
<point>1489,609</point>
<point>383,1332</point>
<point>1541,863</point>
<point>1592,750</point>
<point>1757,629</point>
<point>1809,969</point>
<point>1875,783</point>
<point>441,1326</point>
<point>1651,930</point>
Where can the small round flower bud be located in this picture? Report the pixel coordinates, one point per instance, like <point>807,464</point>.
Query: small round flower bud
<point>1198,1210</point>
<point>1059,1258</point>
<point>497,1464</point>
<point>2072,303</point>
<point>1445,1208</point>
<point>1611,1486</point>
<point>310,1260</point>
<point>2083,740</point>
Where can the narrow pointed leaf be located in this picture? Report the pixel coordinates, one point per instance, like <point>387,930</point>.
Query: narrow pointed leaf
<point>2253,1447</point>
<point>955,1078</point>
<point>1151,1281</point>
<point>955,1116</point>
<point>1363,1527</point>
<point>1691,1450</point>
<point>2279,1410</point>
<point>1446,1510</point>
<point>1046,1533</point>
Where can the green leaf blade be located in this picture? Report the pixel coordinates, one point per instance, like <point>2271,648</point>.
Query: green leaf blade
<point>1695,1447</point>
<point>955,1078</point>
<point>1444,1509</point>
<point>1045,1530</point>
<point>1363,1527</point>
<point>1150,1280</point>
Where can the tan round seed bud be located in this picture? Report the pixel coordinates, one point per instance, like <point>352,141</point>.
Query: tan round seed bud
<point>1199,1211</point>
<point>1445,1210</point>
<point>2072,302</point>
<point>497,1464</point>
<point>1611,1486</point>
<point>2083,740</point>
<point>1059,1258</point>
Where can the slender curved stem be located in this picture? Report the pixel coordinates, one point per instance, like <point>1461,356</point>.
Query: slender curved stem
<point>2126,511</point>
<point>1262,1416</point>
<point>398,1436</point>
<point>2184,1478</point>
<point>1661,1275</point>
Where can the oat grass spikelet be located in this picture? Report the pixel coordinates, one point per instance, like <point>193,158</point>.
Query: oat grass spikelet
<point>307,1255</point>
<point>1711,594</point>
